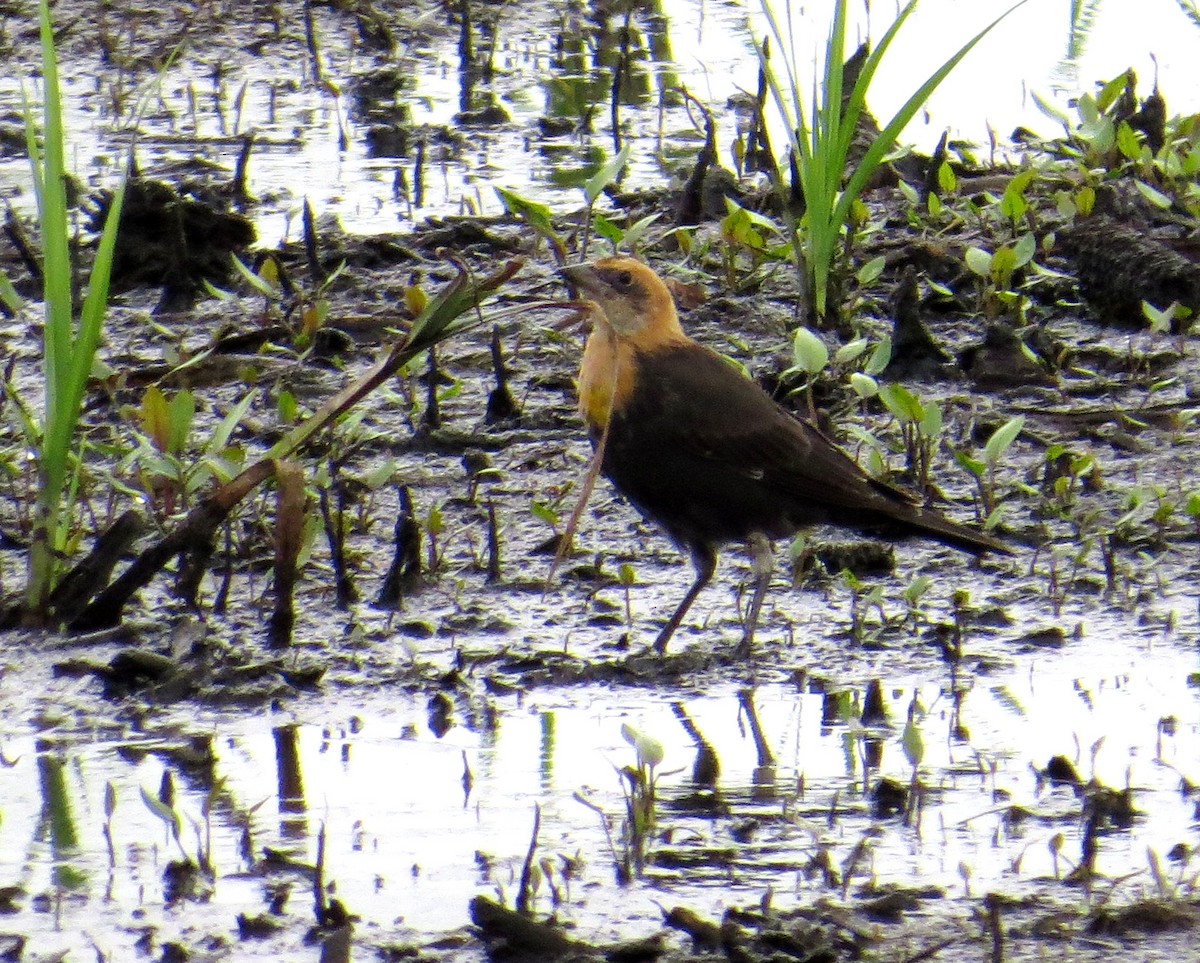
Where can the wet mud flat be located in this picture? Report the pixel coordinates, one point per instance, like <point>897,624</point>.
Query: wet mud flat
<point>999,762</point>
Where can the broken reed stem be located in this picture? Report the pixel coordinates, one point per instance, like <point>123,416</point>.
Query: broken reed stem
<point>524,893</point>
<point>319,906</point>
<point>316,274</point>
<point>289,537</point>
<point>433,415</point>
<point>241,192</point>
<point>333,518</point>
<point>310,38</point>
<point>493,568</point>
<point>619,73</point>
<point>418,198</point>
<point>405,569</point>
<point>221,599</point>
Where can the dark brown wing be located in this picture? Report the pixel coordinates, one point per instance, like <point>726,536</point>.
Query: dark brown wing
<point>708,454</point>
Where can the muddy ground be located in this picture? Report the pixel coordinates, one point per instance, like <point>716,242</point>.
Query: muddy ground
<point>449,486</point>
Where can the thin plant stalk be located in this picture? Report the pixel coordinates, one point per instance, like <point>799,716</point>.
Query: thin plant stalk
<point>68,348</point>
<point>821,135</point>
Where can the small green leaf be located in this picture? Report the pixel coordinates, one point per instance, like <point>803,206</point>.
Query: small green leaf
<point>973,465</point>
<point>1004,262</point>
<point>220,437</point>
<point>286,408</point>
<point>636,231</point>
<point>8,294</point>
<point>931,421</point>
<point>606,175</point>
<point>864,385</point>
<point>880,358</point>
<point>544,513</point>
<point>181,411</point>
<point>754,217</point>
<point>947,180</point>
<point>979,261</point>
<point>1051,111</point>
<point>162,811</point>
<point>1127,142</point>
<point>382,474</point>
<point>917,589</point>
<point>914,745</point>
<point>649,750</point>
<point>259,284</point>
<point>434,521</point>
<point>607,229</point>
<point>156,417</point>
<point>737,228</point>
<point>535,214</point>
<point>869,272</point>
<point>809,353</point>
<point>1002,438</point>
<point>1155,197</point>
<point>850,351</point>
<point>902,403</point>
<point>1025,249</point>
<point>1160,320</point>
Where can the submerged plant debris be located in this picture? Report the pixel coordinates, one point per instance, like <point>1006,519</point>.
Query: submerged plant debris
<point>360,719</point>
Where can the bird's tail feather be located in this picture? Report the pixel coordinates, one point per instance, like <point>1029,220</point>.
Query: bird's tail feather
<point>932,525</point>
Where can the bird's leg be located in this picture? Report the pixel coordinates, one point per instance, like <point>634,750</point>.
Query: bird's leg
<point>763,565</point>
<point>704,559</point>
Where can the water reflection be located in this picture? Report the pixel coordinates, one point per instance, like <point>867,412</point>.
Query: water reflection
<point>293,819</point>
<point>781,786</point>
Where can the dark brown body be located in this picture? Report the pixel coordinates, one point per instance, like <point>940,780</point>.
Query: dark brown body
<point>710,457</point>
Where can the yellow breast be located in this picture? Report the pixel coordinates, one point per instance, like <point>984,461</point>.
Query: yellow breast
<point>606,376</point>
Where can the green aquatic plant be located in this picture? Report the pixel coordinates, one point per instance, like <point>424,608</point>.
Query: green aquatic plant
<point>821,135</point>
<point>983,470</point>
<point>920,429</point>
<point>69,344</point>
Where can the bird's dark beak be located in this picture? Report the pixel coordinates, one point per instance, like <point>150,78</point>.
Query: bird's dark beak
<point>581,279</point>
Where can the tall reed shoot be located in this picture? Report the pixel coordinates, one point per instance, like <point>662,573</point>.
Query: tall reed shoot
<point>820,136</point>
<point>69,346</point>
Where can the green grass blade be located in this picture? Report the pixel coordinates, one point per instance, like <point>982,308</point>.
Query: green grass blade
<point>8,295</point>
<point>857,101</point>
<point>830,144</point>
<point>95,306</point>
<point>32,147</point>
<point>55,254</point>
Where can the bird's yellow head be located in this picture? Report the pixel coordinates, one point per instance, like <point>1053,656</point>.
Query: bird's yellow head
<point>636,304</point>
<point>637,315</point>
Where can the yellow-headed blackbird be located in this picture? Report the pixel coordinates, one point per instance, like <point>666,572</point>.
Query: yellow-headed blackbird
<point>707,454</point>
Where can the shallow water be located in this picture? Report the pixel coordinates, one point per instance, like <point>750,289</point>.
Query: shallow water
<point>311,143</point>
<point>407,847</point>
